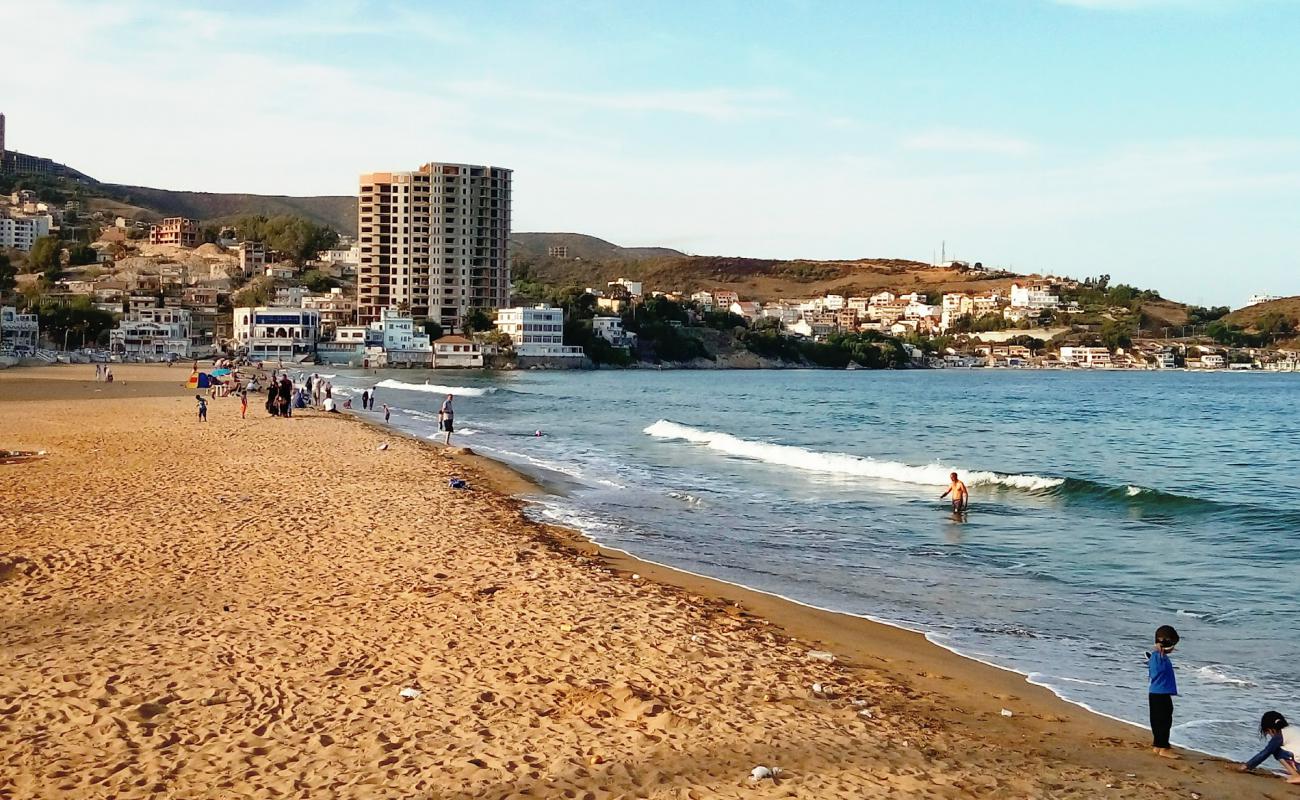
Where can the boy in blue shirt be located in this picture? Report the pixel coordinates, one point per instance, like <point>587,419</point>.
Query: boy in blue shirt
<point>1162,690</point>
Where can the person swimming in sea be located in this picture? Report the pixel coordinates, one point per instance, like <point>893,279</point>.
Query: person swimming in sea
<point>960,494</point>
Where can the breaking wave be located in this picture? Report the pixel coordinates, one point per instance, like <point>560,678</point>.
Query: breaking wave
<point>843,463</point>
<point>433,388</point>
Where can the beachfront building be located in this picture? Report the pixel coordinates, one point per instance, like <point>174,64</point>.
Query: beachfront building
<point>19,333</point>
<point>434,242</point>
<point>152,333</point>
<point>398,334</point>
<point>1086,356</point>
<point>1166,360</point>
<point>349,345</point>
<point>536,331</point>
<point>457,352</point>
<point>272,333</point>
<point>611,330</point>
<point>253,258</point>
<point>178,231</point>
<point>20,231</point>
<point>1213,361</point>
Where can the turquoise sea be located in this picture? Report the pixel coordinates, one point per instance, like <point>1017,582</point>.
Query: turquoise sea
<point>1103,505</point>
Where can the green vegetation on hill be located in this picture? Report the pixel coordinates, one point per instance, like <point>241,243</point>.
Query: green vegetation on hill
<point>298,238</point>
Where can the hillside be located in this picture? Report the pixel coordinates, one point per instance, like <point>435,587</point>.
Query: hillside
<point>339,212</point>
<point>583,247</point>
<point>759,279</point>
<point>1249,317</point>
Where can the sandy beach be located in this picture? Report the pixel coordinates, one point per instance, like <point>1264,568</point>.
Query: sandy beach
<point>232,610</point>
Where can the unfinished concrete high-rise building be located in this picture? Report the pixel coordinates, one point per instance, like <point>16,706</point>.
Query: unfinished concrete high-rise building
<point>434,242</point>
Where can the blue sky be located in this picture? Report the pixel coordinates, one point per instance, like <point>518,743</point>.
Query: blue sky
<point>1154,140</point>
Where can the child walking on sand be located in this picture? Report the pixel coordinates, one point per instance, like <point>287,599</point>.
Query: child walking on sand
<point>1163,687</point>
<point>203,408</point>
<point>243,404</point>
<point>1283,745</point>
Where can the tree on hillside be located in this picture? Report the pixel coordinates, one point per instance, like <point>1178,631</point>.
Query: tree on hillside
<point>432,329</point>
<point>475,320</point>
<point>256,293</point>
<point>1116,334</point>
<point>298,238</point>
<point>46,257</point>
<point>317,281</point>
<point>8,275</point>
<point>80,254</point>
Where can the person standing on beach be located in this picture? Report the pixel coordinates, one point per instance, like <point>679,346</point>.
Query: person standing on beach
<point>365,400</point>
<point>243,405</point>
<point>1163,687</point>
<point>960,495</point>
<point>446,418</point>
<point>374,390</point>
<point>203,408</point>
<point>387,412</point>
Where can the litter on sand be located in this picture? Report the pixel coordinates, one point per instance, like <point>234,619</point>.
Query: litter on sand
<point>1006,712</point>
<point>383,446</point>
<point>821,655</point>
<point>457,483</point>
<point>410,693</point>
<point>761,773</point>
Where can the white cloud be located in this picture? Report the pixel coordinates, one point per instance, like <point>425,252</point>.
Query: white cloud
<point>957,140</point>
<point>715,103</point>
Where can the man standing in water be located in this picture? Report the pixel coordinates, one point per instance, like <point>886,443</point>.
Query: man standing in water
<point>960,495</point>
<point>446,417</point>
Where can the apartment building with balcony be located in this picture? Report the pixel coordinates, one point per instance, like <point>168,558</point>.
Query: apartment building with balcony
<point>178,231</point>
<point>434,243</point>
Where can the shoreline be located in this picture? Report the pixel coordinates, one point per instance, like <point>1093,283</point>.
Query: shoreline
<point>816,623</point>
<point>924,693</point>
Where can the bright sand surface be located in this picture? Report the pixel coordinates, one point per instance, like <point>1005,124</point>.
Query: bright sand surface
<point>230,610</point>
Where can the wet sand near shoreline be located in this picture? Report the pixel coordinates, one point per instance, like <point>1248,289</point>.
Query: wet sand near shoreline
<point>232,609</point>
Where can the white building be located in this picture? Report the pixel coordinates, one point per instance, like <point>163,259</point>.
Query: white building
<point>633,287</point>
<point>18,332</point>
<point>1256,299</point>
<point>1037,296</point>
<point>747,309</point>
<point>1086,356</point>
<point>290,296</point>
<point>1166,360</point>
<point>457,351</point>
<point>350,256</point>
<point>703,299</point>
<point>153,332</point>
<point>536,331</point>
<point>611,330</point>
<point>833,302</point>
<point>1213,361</point>
<point>20,232</point>
<point>271,333</point>
<point>398,333</point>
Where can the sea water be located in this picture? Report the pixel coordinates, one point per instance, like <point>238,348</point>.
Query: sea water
<point>1103,504</point>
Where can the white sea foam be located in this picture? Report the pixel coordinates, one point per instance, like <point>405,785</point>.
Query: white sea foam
<point>1212,673</point>
<point>842,463</point>
<point>433,388</point>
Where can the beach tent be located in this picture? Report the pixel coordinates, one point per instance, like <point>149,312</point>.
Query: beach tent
<point>202,380</point>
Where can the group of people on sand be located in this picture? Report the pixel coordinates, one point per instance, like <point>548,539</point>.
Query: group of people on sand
<point>1282,740</point>
<point>103,373</point>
